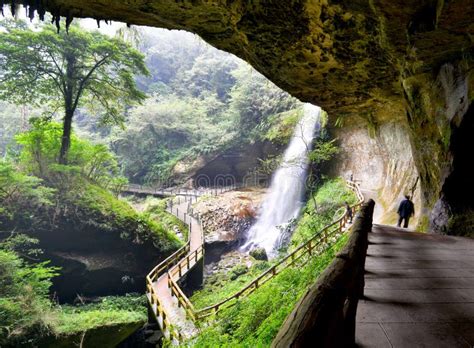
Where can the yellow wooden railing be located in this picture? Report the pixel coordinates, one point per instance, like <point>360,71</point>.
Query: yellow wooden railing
<point>156,305</point>
<point>315,245</point>
<point>179,263</point>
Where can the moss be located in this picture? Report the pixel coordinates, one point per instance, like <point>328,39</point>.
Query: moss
<point>462,224</point>
<point>104,336</point>
<point>108,213</point>
<point>282,126</point>
<point>102,324</point>
<point>423,224</point>
<point>224,284</point>
<point>156,211</point>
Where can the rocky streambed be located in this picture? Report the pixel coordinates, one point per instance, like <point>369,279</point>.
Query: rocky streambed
<point>226,219</point>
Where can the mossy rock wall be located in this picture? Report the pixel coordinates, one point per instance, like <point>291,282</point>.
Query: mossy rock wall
<point>107,336</point>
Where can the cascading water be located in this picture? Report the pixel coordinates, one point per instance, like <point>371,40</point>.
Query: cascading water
<point>283,202</point>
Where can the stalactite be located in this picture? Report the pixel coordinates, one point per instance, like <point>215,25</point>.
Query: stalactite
<point>13,8</point>
<point>58,20</point>
<point>41,10</point>
<point>30,10</point>
<point>69,19</point>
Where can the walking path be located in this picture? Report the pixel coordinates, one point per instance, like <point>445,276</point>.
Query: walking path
<point>176,313</point>
<point>170,306</point>
<point>419,291</point>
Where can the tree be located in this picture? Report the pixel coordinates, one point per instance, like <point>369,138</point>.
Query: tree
<point>92,161</point>
<point>69,70</point>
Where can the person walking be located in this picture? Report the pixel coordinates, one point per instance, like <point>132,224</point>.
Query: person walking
<point>348,211</point>
<point>405,211</point>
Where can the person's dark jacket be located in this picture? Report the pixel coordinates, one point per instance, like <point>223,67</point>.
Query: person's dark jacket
<point>406,208</point>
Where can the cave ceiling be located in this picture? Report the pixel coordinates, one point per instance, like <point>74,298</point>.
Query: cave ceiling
<point>348,56</point>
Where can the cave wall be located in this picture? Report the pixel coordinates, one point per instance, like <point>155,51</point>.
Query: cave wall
<point>380,160</point>
<point>403,62</point>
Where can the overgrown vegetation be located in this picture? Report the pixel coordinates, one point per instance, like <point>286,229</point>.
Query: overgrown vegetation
<point>28,315</point>
<point>255,320</point>
<point>38,193</point>
<point>325,206</point>
<point>224,104</point>
<point>24,303</point>
<point>109,310</point>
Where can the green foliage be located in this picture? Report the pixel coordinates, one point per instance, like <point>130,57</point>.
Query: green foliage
<point>22,197</point>
<point>28,315</point>
<point>22,245</point>
<point>330,198</point>
<point>202,102</point>
<point>104,212</point>
<point>24,304</point>
<point>34,64</point>
<point>156,211</point>
<point>282,125</point>
<point>109,311</point>
<point>224,284</point>
<point>92,161</point>
<point>324,150</point>
<point>175,128</point>
<point>254,101</point>
<point>255,320</point>
<point>69,70</point>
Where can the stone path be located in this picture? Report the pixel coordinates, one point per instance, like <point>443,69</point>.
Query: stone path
<point>419,291</point>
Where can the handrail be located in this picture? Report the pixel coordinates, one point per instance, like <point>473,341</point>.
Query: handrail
<point>181,261</point>
<point>325,316</point>
<point>304,248</point>
<point>162,268</point>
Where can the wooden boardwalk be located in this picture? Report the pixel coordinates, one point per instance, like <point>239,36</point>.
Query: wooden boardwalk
<point>419,291</point>
<point>176,313</point>
<point>170,306</point>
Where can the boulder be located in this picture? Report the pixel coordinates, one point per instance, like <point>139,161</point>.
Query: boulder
<point>259,254</point>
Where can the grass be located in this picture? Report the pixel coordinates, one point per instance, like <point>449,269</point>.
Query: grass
<point>330,198</point>
<point>221,286</point>
<point>110,310</point>
<point>112,214</point>
<point>254,321</point>
<point>156,211</point>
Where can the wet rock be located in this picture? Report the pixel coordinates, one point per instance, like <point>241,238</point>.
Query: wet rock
<point>259,254</point>
<point>227,217</point>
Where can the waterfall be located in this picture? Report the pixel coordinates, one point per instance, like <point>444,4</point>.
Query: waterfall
<point>283,201</point>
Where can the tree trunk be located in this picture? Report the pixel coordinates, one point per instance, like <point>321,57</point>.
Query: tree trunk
<point>66,138</point>
<point>69,107</point>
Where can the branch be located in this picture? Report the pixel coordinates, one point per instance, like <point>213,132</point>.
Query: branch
<point>86,78</point>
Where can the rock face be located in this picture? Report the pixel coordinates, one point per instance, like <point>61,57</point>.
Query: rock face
<point>108,266</point>
<point>234,166</point>
<point>226,218</point>
<point>370,64</point>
